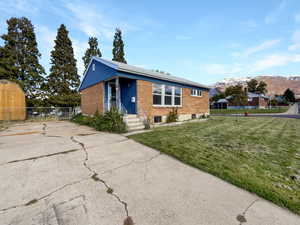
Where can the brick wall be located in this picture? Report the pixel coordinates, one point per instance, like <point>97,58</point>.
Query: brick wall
<point>190,104</point>
<point>258,102</point>
<point>92,99</point>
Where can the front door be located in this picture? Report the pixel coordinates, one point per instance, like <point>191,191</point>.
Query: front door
<point>128,95</point>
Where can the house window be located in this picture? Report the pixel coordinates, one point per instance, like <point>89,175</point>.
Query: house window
<point>93,67</point>
<point>196,92</point>
<point>194,116</point>
<point>157,119</point>
<point>166,95</point>
<point>177,96</point>
<point>157,94</point>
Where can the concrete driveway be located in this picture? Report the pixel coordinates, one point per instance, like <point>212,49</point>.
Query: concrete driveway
<point>59,173</point>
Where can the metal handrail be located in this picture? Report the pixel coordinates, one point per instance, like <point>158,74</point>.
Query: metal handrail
<point>120,107</point>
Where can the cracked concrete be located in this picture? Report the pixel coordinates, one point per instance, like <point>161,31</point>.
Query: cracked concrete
<point>43,183</point>
<point>242,217</point>
<point>96,178</point>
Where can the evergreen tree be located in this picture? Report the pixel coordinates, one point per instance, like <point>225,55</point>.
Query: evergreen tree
<point>93,50</point>
<point>63,79</point>
<point>19,57</point>
<point>257,87</point>
<point>289,95</point>
<point>118,47</point>
<point>238,95</point>
<point>251,85</point>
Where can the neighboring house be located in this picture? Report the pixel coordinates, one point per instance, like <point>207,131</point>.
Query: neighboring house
<point>220,104</point>
<point>257,100</point>
<point>254,101</point>
<point>134,90</point>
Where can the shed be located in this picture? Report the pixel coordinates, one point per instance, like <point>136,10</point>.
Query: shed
<point>12,101</point>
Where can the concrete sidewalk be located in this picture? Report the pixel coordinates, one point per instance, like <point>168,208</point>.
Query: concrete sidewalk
<point>59,173</point>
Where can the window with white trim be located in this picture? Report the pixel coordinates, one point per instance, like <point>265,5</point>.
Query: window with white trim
<point>177,96</point>
<point>196,92</point>
<point>157,94</point>
<point>166,95</point>
<point>93,67</point>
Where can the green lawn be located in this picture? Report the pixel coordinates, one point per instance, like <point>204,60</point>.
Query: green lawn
<point>261,155</point>
<point>237,111</point>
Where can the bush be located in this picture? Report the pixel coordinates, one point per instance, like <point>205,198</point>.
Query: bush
<point>111,121</point>
<point>173,116</point>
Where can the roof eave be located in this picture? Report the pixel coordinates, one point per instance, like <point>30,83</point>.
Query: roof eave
<point>160,78</point>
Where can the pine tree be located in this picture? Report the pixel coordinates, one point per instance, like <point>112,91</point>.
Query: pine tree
<point>118,47</point>
<point>289,95</point>
<point>93,50</point>
<point>63,79</point>
<point>19,57</point>
<point>257,87</point>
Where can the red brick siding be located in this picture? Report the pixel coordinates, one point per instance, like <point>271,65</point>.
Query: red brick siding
<point>92,99</point>
<point>190,104</point>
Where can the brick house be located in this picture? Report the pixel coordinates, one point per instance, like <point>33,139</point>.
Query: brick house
<point>140,92</point>
<point>255,101</point>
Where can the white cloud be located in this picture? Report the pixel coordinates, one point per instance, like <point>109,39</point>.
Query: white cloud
<point>258,48</point>
<point>93,22</point>
<point>267,62</point>
<point>46,36</point>
<point>13,7</point>
<point>295,40</point>
<point>79,49</point>
<point>274,60</point>
<point>182,37</point>
<point>275,14</point>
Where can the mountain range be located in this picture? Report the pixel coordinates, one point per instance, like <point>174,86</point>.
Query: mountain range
<point>276,85</point>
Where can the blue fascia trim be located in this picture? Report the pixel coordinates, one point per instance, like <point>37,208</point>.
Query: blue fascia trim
<point>102,72</point>
<point>105,62</point>
<point>154,80</point>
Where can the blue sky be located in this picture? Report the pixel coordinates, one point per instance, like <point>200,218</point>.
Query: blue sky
<point>204,41</point>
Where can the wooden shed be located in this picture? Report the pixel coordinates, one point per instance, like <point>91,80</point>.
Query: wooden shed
<point>12,101</point>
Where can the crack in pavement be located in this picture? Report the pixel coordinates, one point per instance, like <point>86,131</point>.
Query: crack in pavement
<point>132,162</point>
<point>44,132</point>
<point>128,220</point>
<point>35,200</point>
<point>96,178</point>
<point>41,156</point>
<point>242,217</point>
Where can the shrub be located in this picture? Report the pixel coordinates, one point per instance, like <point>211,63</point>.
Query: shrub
<point>173,116</point>
<point>111,121</point>
<point>82,120</point>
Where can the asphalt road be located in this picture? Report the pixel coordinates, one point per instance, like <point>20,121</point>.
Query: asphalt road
<point>59,173</point>
<point>263,115</point>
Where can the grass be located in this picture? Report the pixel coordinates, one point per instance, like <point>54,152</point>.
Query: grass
<point>261,155</point>
<point>238,111</point>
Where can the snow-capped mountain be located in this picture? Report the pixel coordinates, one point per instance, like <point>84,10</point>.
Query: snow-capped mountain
<point>276,84</point>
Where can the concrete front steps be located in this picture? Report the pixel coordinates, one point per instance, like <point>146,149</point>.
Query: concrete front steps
<point>133,122</point>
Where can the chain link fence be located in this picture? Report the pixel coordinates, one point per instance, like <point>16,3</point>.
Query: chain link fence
<point>37,113</point>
